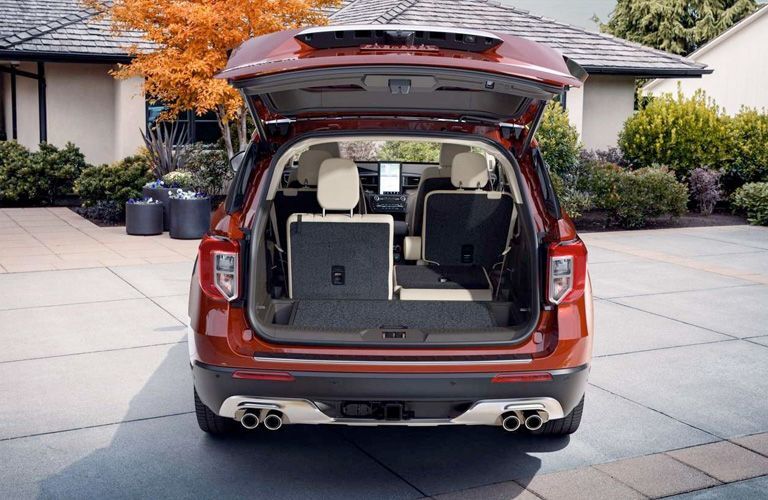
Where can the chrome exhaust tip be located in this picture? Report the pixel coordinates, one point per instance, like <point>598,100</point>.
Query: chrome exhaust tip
<point>511,423</point>
<point>534,422</point>
<point>273,421</point>
<point>249,421</point>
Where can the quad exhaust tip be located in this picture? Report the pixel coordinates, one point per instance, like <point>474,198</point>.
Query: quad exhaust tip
<point>511,423</point>
<point>273,421</point>
<point>250,421</point>
<point>534,422</point>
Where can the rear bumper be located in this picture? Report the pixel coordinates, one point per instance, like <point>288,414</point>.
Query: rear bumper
<point>215,385</point>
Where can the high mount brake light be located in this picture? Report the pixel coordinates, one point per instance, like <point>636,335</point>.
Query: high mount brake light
<point>219,268</point>
<point>567,271</point>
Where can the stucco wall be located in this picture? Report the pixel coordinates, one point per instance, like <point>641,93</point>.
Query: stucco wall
<point>86,106</point>
<point>740,67</point>
<point>600,108</point>
<point>129,116</point>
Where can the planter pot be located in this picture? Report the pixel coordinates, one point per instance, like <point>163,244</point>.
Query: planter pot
<point>160,194</point>
<point>143,219</point>
<point>190,219</point>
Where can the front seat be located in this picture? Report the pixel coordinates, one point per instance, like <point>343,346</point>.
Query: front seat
<point>432,179</point>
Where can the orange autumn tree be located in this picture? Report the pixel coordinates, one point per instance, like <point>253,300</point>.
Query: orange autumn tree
<point>192,40</point>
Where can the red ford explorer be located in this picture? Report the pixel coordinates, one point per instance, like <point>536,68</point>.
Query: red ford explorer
<point>342,285</point>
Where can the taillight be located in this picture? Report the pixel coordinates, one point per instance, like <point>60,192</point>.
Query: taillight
<point>219,268</point>
<point>567,271</point>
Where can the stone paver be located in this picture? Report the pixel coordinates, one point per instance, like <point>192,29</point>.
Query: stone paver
<point>658,475</point>
<point>499,491</point>
<point>42,239</point>
<point>751,489</point>
<point>640,331</point>
<point>734,315</point>
<point>587,484</point>
<point>724,461</point>
<point>756,442</point>
<point>719,388</point>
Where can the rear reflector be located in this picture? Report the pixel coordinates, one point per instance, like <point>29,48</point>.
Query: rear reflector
<point>271,376</point>
<point>511,378</point>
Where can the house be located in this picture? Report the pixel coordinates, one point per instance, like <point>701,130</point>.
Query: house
<point>740,71</point>
<point>56,58</point>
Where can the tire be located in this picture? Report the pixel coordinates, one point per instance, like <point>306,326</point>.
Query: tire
<point>210,422</point>
<point>564,426</point>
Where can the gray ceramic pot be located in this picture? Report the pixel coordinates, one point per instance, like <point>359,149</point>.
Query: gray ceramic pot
<point>143,219</point>
<point>190,219</point>
<point>160,194</point>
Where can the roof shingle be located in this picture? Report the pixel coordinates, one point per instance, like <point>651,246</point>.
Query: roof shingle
<point>596,52</point>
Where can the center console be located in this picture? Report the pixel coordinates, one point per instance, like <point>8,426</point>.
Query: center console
<point>389,197</point>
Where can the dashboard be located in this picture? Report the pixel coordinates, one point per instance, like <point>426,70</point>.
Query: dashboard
<point>386,184</point>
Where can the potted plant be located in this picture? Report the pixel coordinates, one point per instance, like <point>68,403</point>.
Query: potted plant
<point>144,217</point>
<point>157,190</point>
<point>190,214</point>
<point>166,157</point>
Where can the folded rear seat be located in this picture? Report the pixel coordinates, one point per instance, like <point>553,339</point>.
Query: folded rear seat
<point>464,234</point>
<point>339,255</point>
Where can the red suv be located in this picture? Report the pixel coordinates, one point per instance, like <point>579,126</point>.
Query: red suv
<point>345,282</point>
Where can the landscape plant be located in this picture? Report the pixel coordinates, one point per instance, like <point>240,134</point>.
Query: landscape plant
<point>749,142</point>
<point>680,132</point>
<point>117,182</point>
<point>209,168</point>
<point>42,176</point>
<point>632,197</point>
<point>752,199</point>
<point>704,186</point>
<point>558,140</point>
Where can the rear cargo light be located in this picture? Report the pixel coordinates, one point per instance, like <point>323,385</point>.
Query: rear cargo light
<point>219,268</point>
<point>567,271</point>
<point>265,375</point>
<point>511,378</point>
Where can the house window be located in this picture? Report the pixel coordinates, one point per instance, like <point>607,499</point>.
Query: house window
<point>203,128</point>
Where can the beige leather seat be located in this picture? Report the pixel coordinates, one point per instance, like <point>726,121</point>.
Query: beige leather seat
<point>307,171</point>
<point>337,254</point>
<point>464,235</point>
<point>432,178</point>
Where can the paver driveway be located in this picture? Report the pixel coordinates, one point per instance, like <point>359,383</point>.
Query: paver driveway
<point>96,393</point>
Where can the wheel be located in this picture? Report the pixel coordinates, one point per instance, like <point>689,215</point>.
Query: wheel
<point>212,423</point>
<point>566,425</point>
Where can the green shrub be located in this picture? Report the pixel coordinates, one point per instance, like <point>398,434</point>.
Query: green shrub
<point>41,176</point>
<point>633,197</point>
<point>749,131</point>
<point>752,198</point>
<point>209,168</point>
<point>683,133</point>
<point>574,201</point>
<point>558,140</point>
<point>117,182</point>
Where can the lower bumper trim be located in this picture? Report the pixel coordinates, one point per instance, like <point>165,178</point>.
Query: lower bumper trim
<point>304,411</point>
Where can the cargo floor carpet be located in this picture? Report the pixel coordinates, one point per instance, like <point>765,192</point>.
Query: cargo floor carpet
<point>343,314</point>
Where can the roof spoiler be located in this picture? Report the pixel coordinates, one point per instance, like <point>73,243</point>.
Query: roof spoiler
<point>444,37</point>
<point>575,69</point>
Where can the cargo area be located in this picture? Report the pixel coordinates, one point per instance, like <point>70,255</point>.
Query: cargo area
<point>389,252</point>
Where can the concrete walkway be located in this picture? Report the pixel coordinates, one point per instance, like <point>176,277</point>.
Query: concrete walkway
<point>97,396</point>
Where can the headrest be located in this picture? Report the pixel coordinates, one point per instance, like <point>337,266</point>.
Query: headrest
<point>431,172</point>
<point>469,171</point>
<point>338,186</point>
<point>448,151</point>
<point>309,166</point>
<point>330,147</point>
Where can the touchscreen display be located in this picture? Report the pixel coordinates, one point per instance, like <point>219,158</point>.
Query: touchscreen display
<point>389,178</point>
